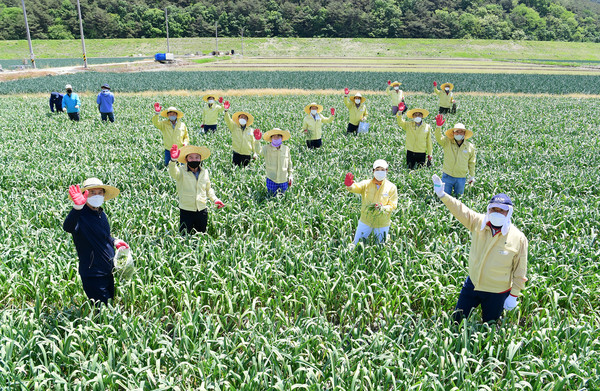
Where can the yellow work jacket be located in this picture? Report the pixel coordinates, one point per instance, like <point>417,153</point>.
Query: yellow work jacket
<point>386,194</point>
<point>314,126</point>
<point>356,113</point>
<point>242,140</point>
<point>193,193</point>
<point>172,135</point>
<point>445,99</point>
<point>210,115</point>
<point>458,161</point>
<point>418,138</point>
<point>278,163</point>
<point>395,96</point>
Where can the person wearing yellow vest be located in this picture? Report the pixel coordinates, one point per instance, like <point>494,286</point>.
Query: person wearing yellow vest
<point>459,156</point>
<point>312,124</point>
<point>210,113</point>
<point>396,96</point>
<point>497,260</point>
<point>193,187</point>
<point>419,146</point>
<point>379,201</point>
<point>278,160</point>
<point>447,103</point>
<point>173,130</point>
<point>358,110</point>
<point>245,148</point>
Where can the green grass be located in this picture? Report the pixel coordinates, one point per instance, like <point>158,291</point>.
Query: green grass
<point>211,59</point>
<point>272,298</point>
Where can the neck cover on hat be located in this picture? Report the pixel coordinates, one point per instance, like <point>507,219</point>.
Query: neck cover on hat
<point>506,224</point>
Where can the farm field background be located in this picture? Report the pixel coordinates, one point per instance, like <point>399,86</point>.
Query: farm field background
<point>271,297</point>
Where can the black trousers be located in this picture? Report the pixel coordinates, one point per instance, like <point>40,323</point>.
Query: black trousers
<point>212,128</point>
<point>74,116</point>
<point>107,116</point>
<point>444,110</point>
<point>189,220</point>
<point>414,159</point>
<point>99,289</point>
<point>352,128</point>
<point>313,144</point>
<point>241,160</point>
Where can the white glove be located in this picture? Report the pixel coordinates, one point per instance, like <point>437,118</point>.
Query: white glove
<point>471,180</point>
<point>510,303</point>
<point>438,186</point>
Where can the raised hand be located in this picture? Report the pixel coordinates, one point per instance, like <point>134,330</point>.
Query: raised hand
<point>175,152</point>
<point>219,204</point>
<point>157,107</point>
<point>76,195</point>
<point>435,83</point>
<point>120,243</point>
<point>389,82</point>
<point>257,134</point>
<point>438,186</point>
<point>439,120</point>
<point>346,91</point>
<point>401,106</point>
<point>332,111</point>
<point>220,99</point>
<point>349,180</point>
<point>226,105</point>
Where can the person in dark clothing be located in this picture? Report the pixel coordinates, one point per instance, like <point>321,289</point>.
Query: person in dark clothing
<point>89,226</point>
<point>56,102</point>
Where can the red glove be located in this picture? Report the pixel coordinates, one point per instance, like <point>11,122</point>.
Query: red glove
<point>175,151</point>
<point>219,204</point>
<point>76,196</point>
<point>435,83</point>
<point>226,105</point>
<point>349,179</point>
<point>120,243</point>
<point>439,120</point>
<point>332,111</point>
<point>290,182</point>
<point>202,126</point>
<point>157,107</point>
<point>429,157</point>
<point>257,134</point>
<point>389,82</point>
<point>401,106</point>
<point>346,91</point>
<point>220,99</point>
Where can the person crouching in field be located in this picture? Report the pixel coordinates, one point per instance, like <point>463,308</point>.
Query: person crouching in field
<point>278,161</point>
<point>379,200</point>
<point>396,96</point>
<point>418,137</point>
<point>312,124</point>
<point>358,110</point>
<point>459,157</point>
<point>447,103</point>
<point>173,130</point>
<point>498,257</point>
<point>105,101</point>
<point>89,226</point>
<point>193,187</point>
<point>244,146</point>
<point>56,102</point>
<point>210,113</point>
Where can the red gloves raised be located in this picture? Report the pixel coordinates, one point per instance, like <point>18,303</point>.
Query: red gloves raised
<point>76,196</point>
<point>389,82</point>
<point>257,134</point>
<point>349,181</point>
<point>439,120</point>
<point>157,107</point>
<point>175,152</point>
<point>332,111</point>
<point>346,91</point>
<point>401,106</point>
<point>220,99</point>
<point>226,105</point>
<point>435,83</point>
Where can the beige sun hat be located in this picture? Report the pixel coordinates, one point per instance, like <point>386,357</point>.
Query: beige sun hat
<point>205,97</point>
<point>110,192</point>
<point>307,108</point>
<point>396,83</point>
<point>68,87</point>
<point>236,117</point>
<point>450,132</point>
<point>173,109</point>
<point>450,85</point>
<point>358,95</point>
<point>380,163</point>
<point>411,113</point>
<point>204,152</point>
<point>285,135</point>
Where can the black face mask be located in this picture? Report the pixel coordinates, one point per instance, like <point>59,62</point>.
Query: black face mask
<point>193,165</point>
<point>69,91</point>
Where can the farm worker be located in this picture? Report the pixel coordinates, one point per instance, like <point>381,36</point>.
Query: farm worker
<point>105,100</point>
<point>313,123</point>
<point>498,257</point>
<point>56,102</point>
<point>358,110</point>
<point>245,147</point>
<point>278,161</point>
<point>71,103</point>
<point>418,136</point>
<point>210,113</point>
<point>173,130</point>
<point>379,200</point>
<point>446,98</point>
<point>193,187</point>
<point>459,156</point>
<point>396,96</point>
<point>88,225</point>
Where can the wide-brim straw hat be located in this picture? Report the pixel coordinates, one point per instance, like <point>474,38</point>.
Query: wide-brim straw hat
<point>205,97</point>
<point>396,83</point>
<point>204,152</point>
<point>307,108</point>
<point>443,86</point>
<point>110,192</point>
<point>173,109</point>
<point>285,135</point>
<point>358,95</point>
<point>410,113</point>
<point>450,132</point>
<point>236,117</point>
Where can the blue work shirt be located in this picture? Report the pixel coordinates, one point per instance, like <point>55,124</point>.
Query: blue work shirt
<point>69,103</point>
<point>105,100</point>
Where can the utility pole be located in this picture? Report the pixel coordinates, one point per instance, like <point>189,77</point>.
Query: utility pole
<point>28,35</point>
<point>85,64</point>
<point>167,23</point>
<point>242,42</point>
<point>217,38</point>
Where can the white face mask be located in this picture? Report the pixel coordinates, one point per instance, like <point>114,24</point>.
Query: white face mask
<point>105,91</point>
<point>173,117</point>
<point>96,201</point>
<point>211,101</point>
<point>380,175</point>
<point>396,88</point>
<point>357,101</point>
<point>497,219</point>
<point>313,112</point>
<point>447,89</point>
<point>242,121</point>
<point>418,120</point>
<point>459,137</point>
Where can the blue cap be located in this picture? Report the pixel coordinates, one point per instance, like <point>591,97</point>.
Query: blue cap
<point>501,199</point>
<point>106,86</point>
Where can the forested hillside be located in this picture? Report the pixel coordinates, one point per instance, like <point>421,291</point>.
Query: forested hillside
<point>564,20</point>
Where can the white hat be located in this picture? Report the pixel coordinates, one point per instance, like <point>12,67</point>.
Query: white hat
<point>380,163</point>
<point>68,87</point>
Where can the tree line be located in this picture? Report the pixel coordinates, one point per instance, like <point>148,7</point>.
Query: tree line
<point>546,20</point>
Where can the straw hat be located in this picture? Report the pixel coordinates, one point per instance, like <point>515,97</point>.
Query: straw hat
<point>307,108</point>
<point>410,113</point>
<point>285,135</point>
<point>450,85</point>
<point>186,150</point>
<point>450,132</point>
<point>358,95</point>
<point>236,118</point>
<point>396,83</point>
<point>110,192</point>
<point>174,109</point>
<point>205,97</point>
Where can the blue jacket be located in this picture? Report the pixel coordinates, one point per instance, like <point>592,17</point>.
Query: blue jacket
<point>91,235</point>
<point>69,103</point>
<point>56,100</point>
<point>106,102</point>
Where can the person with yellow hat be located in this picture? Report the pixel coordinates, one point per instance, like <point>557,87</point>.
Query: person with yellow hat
<point>396,95</point>
<point>89,226</point>
<point>379,201</point>
<point>447,102</point>
<point>245,148</point>
<point>459,156</point>
<point>313,124</point>
<point>418,136</point>
<point>193,187</point>
<point>173,130</point>
<point>210,113</point>
<point>358,110</point>
<point>278,160</point>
